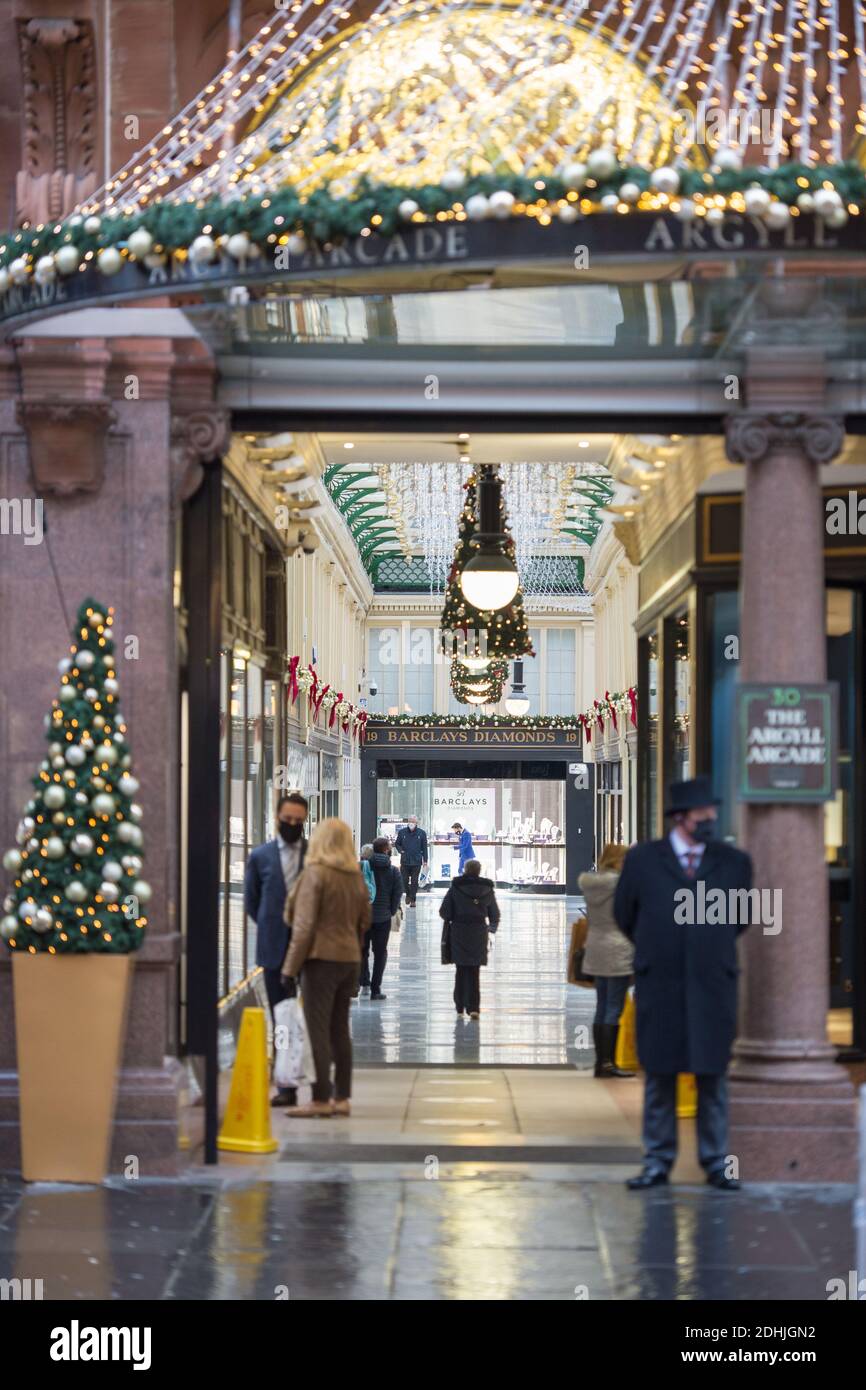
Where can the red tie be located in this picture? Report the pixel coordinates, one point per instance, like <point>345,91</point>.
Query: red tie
<point>692,858</point>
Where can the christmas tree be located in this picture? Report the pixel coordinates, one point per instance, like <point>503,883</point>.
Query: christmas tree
<point>503,632</point>
<point>76,868</point>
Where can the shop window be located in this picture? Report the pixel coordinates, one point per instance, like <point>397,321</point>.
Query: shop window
<point>330,790</point>
<point>383,669</point>
<point>677,696</point>
<point>418,670</point>
<point>532,673</point>
<point>560,697</point>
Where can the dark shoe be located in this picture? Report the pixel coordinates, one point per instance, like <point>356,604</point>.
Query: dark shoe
<point>365,991</point>
<point>597,1044</point>
<point>475,1014</point>
<point>647,1179</point>
<point>376,998</point>
<point>287,1095</point>
<point>459,1013</point>
<point>723,1183</point>
<point>609,1032</point>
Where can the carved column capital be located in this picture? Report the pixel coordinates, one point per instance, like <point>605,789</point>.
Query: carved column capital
<point>196,437</point>
<point>750,436</point>
<point>66,443</point>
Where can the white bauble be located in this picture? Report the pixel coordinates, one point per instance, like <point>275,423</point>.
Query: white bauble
<point>81,843</point>
<point>610,202</point>
<point>685,210</point>
<point>407,209</point>
<point>109,892</point>
<point>75,755</point>
<point>126,760</point>
<point>757,201</point>
<point>826,199</point>
<point>501,203</point>
<point>728,160</point>
<point>12,860</point>
<point>75,221</point>
<point>75,891</point>
<point>109,260</point>
<point>28,873</point>
<point>574,175</point>
<point>202,251</point>
<point>296,244</point>
<point>477,207</point>
<point>838,217</point>
<point>132,863</point>
<point>238,246</point>
<point>126,832</point>
<point>33,843</point>
<point>452,179</point>
<point>135,811</point>
<point>84,659</point>
<point>136,838</point>
<point>98,721</point>
<point>629,192</point>
<point>777,216</point>
<point>81,798</point>
<point>67,259</point>
<point>18,270</point>
<point>155,259</point>
<point>128,785</point>
<point>59,818</point>
<point>118,737</point>
<point>107,753</point>
<point>4,279</point>
<point>91,695</point>
<point>43,921</point>
<point>8,903</point>
<point>112,872</point>
<point>806,202</point>
<point>87,742</point>
<point>67,693</point>
<point>25,829</point>
<point>64,666</point>
<point>111,686</point>
<point>665,180</point>
<point>103,804</point>
<point>8,928</point>
<point>98,782</point>
<point>46,271</point>
<point>142,890</point>
<point>59,764</point>
<point>55,749</point>
<point>139,243</point>
<point>569,212</point>
<point>27,910</point>
<point>92,224</point>
<point>54,847</point>
<point>602,163</point>
<point>54,796</point>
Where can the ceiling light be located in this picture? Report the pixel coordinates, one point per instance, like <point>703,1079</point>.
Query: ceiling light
<point>478,700</point>
<point>348,446</point>
<point>489,579</point>
<point>462,438</point>
<point>584,444</point>
<point>517,701</point>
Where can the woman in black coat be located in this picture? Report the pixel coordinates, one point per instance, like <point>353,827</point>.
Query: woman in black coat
<point>471,909</point>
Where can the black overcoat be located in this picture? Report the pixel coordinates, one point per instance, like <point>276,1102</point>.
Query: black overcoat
<point>685,973</point>
<point>470,906</point>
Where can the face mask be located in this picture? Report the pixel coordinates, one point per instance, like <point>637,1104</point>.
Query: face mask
<point>290,833</point>
<point>704,830</point>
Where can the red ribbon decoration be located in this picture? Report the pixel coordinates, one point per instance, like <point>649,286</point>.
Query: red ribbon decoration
<point>293,678</point>
<point>610,706</point>
<point>599,715</point>
<point>632,695</point>
<point>334,710</point>
<point>362,726</point>
<point>313,688</point>
<point>322,693</point>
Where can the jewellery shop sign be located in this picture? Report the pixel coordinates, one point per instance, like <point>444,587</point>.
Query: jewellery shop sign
<point>787,742</point>
<point>547,740</point>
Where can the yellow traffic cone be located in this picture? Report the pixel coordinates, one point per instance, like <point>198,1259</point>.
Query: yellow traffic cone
<point>687,1096</point>
<point>246,1127</point>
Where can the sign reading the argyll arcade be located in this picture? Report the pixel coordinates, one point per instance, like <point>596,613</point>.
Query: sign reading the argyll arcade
<point>787,742</point>
<point>532,738</point>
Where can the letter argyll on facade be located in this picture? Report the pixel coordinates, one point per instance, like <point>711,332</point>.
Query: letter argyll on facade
<point>787,742</point>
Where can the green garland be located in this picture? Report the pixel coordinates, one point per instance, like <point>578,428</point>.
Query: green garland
<point>519,721</point>
<point>322,218</point>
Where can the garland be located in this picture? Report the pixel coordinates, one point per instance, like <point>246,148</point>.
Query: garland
<point>323,697</point>
<point>248,228</point>
<point>613,706</point>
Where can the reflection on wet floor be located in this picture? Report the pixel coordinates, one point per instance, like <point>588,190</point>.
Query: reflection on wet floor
<point>529,1013</point>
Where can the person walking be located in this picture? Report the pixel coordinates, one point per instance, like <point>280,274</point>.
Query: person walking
<point>386,904</point>
<point>329,912</point>
<point>367,870</point>
<point>685,975</point>
<point>471,908</point>
<point>608,956</point>
<point>411,841</point>
<point>464,847</point>
<point>271,871</point>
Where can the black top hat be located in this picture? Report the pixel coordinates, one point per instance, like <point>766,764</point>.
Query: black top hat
<point>686,796</point>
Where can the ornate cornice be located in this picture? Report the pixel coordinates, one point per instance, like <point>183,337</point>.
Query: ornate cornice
<point>750,437</point>
<point>66,443</point>
<point>196,437</point>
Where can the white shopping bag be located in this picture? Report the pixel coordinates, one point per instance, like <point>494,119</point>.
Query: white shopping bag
<point>293,1056</point>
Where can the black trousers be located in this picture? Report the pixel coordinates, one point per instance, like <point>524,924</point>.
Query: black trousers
<point>326,988</point>
<point>660,1122</point>
<point>377,937</point>
<point>410,874</point>
<point>467,988</point>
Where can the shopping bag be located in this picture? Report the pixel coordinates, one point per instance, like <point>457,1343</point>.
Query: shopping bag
<point>687,1096</point>
<point>293,1056</point>
<point>423,878</point>
<point>446,944</point>
<point>626,1041</point>
<point>575,973</point>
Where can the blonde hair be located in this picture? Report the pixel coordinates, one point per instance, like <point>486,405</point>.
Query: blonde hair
<point>612,857</point>
<point>331,843</point>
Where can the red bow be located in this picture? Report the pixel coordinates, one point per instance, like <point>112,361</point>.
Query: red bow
<point>334,710</point>
<point>322,693</point>
<point>313,688</point>
<point>599,715</point>
<point>293,678</point>
<point>632,696</point>
<point>610,706</point>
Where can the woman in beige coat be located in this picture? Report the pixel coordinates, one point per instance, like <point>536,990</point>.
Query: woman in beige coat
<point>328,912</point>
<point>609,956</point>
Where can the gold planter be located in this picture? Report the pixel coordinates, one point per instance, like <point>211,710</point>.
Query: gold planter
<point>69,1029</point>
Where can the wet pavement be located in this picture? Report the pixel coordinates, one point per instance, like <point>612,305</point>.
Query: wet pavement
<point>406,1232</point>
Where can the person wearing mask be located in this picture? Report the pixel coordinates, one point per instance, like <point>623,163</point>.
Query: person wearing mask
<point>389,891</point>
<point>329,911</point>
<point>471,908</point>
<point>685,976</point>
<point>271,871</point>
<point>464,846</point>
<point>367,870</point>
<point>608,956</point>
<point>411,841</point>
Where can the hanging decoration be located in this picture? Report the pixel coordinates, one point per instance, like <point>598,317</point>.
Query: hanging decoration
<point>323,699</point>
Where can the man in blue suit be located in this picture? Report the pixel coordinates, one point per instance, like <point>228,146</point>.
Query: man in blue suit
<point>464,846</point>
<point>271,870</point>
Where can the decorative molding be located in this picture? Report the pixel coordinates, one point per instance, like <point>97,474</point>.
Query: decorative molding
<point>197,437</point>
<point>66,443</point>
<point>750,437</point>
<point>59,107</point>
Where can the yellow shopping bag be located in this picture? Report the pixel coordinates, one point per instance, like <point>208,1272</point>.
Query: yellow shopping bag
<point>626,1042</point>
<point>687,1097</point>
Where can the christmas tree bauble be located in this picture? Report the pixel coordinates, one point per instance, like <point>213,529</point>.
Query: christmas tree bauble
<point>75,755</point>
<point>109,892</point>
<point>84,659</point>
<point>103,805</point>
<point>67,693</point>
<point>81,843</point>
<point>12,860</point>
<point>142,890</point>
<point>25,827</point>
<point>59,818</point>
<point>112,872</point>
<point>43,921</point>
<point>54,847</point>
<point>8,928</point>
<point>27,910</point>
<point>126,832</point>
<point>107,753</point>
<point>136,811</point>
<point>128,785</point>
<point>75,891</point>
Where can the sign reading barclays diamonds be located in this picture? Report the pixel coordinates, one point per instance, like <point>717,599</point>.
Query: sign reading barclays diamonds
<point>459,246</point>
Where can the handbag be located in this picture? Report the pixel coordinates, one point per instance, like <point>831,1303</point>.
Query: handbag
<point>397,919</point>
<point>446,944</point>
<point>575,973</point>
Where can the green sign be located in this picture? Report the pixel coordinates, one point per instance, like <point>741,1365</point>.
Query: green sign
<point>787,742</point>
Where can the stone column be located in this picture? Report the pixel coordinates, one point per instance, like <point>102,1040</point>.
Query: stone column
<point>793,1110</point>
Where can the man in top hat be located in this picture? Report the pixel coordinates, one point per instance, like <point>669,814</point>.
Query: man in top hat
<point>685,974</point>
